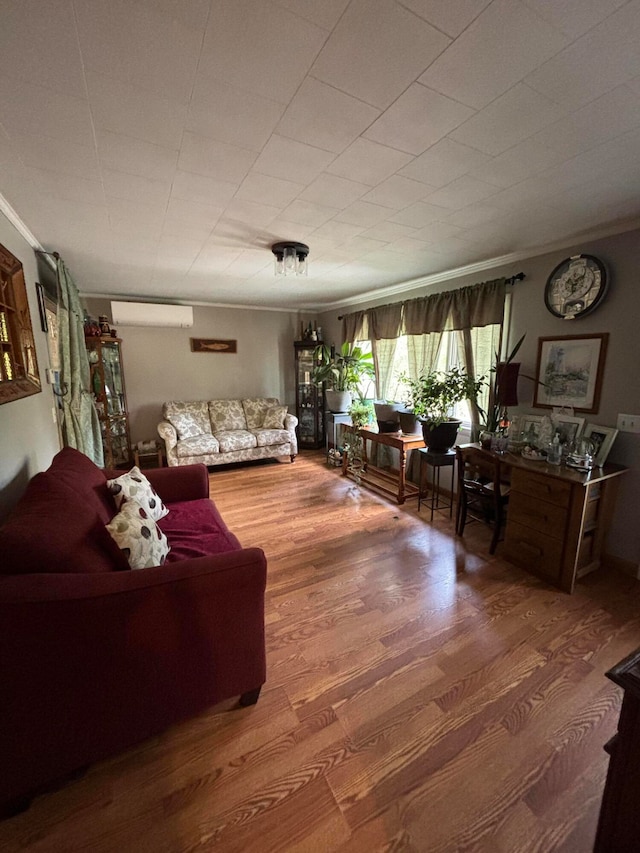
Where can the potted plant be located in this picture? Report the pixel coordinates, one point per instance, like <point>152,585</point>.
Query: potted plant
<point>387,415</point>
<point>342,372</point>
<point>361,415</point>
<point>432,396</point>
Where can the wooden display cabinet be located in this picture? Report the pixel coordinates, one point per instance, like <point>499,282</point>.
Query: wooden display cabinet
<point>107,386</point>
<point>309,398</point>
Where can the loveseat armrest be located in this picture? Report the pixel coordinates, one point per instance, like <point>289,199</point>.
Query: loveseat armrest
<point>290,424</point>
<point>169,435</point>
<point>91,664</point>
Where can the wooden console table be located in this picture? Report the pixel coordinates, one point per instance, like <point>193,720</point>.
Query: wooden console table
<point>387,482</point>
<point>557,518</point>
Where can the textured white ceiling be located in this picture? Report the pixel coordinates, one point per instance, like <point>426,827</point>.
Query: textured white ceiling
<point>162,146</point>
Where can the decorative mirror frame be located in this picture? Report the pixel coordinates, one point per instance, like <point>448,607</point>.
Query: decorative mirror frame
<point>19,375</point>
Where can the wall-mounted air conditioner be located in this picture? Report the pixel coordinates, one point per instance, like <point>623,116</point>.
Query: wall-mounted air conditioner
<point>151,314</point>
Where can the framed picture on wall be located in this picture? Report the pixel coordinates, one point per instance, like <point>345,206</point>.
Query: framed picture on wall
<point>569,371</point>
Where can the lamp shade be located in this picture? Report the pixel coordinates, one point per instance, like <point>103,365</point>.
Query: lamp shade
<point>507,383</point>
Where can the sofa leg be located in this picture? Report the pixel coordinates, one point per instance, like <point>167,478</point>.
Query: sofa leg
<point>250,697</point>
<point>293,458</point>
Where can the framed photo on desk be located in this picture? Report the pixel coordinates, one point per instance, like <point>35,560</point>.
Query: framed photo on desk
<point>603,438</point>
<point>567,428</point>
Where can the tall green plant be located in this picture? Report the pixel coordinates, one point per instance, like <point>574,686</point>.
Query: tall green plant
<point>433,395</point>
<point>343,370</point>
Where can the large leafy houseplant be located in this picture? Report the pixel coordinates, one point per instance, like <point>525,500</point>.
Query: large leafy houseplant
<point>343,370</point>
<point>433,395</point>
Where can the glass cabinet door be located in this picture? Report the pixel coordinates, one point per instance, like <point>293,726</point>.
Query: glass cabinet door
<point>107,386</point>
<point>309,398</point>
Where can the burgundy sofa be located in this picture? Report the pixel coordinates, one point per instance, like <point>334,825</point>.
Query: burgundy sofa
<point>95,657</point>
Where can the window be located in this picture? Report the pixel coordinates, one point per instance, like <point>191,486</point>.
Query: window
<point>18,364</point>
<point>485,342</point>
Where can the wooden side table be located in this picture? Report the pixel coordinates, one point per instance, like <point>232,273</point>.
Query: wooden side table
<point>149,458</point>
<point>436,461</point>
<point>391,485</point>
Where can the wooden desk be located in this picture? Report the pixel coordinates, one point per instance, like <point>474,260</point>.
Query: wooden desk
<point>557,518</point>
<point>378,478</point>
<point>619,824</point>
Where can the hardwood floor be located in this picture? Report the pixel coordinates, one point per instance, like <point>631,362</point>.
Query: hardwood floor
<point>421,696</point>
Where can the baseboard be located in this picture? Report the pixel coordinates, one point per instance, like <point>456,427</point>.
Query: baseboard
<point>610,561</point>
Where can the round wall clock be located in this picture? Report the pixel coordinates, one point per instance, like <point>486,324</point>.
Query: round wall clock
<point>576,287</point>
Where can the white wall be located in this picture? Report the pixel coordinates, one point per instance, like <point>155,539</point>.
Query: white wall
<point>28,435</point>
<point>618,315</point>
<point>159,364</point>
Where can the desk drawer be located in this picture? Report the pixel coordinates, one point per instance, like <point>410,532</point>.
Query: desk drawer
<point>540,486</point>
<point>546,517</point>
<point>533,550</point>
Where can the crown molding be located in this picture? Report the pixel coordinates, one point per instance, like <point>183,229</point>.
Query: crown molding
<point>119,297</point>
<point>19,224</point>
<point>480,266</point>
<point>381,293</point>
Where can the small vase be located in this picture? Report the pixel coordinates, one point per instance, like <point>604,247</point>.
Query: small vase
<point>485,438</point>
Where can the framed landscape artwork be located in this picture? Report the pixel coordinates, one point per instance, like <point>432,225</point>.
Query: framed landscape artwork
<point>569,371</point>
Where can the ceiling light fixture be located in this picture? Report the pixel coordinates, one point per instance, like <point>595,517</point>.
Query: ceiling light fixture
<point>290,258</point>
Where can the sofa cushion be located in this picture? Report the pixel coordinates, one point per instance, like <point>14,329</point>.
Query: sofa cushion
<point>54,528</point>
<point>195,529</point>
<point>134,486</point>
<point>255,409</point>
<point>226,415</point>
<point>268,437</point>
<point>189,418</point>
<point>198,445</point>
<point>274,417</point>
<point>138,536</point>
<point>236,439</point>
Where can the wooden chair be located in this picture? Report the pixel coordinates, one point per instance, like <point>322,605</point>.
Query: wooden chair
<point>481,494</point>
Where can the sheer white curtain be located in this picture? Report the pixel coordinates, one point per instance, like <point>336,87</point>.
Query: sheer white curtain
<point>422,352</point>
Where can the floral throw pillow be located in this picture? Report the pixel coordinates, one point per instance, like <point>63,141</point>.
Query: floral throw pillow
<point>138,536</point>
<point>134,486</point>
<point>274,417</point>
<point>187,425</point>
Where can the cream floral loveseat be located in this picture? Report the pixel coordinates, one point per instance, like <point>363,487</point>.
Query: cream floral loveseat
<point>220,431</point>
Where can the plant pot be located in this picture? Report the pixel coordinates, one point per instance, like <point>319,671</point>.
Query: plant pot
<point>409,423</point>
<point>440,437</point>
<point>338,401</point>
<point>387,416</point>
